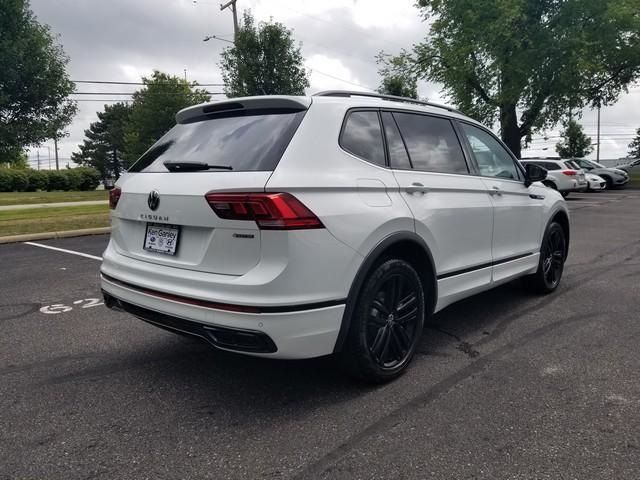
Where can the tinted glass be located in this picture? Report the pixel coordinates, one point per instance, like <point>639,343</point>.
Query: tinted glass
<point>569,164</point>
<point>551,166</point>
<point>362,137</point>
<point>249,142</point>
<point>584,164</point>
<point>492,158</point>
<point>398,157</point>
<point>432,143</point>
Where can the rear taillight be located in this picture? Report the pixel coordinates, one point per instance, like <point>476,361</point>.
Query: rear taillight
<point>570,173</point>
<point>271,211</point>
<point>114,196</point>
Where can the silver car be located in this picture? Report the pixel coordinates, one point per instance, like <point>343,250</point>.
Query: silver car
<point>613,176</point>
<point>632,166</point>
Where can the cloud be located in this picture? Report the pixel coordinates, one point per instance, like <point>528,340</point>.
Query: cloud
<point>123,40</point>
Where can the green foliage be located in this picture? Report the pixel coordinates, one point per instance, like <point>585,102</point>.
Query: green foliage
<point>264,60</point>
<point>6,180</point>
<point>524,63</point>
<point>14,158</point>
<point>634,146</point>
<point>90,178</point>
<point>104,145</point>
<point>153,111</point>
<point>34,84</point>
<point>38,180</point>
<point>74,179</point>
<point>574,144</point>
<point>13,180</point>
<point>396,77</point>
<point>397,85</point>
<point>19,181</point>
<point>57,180</point>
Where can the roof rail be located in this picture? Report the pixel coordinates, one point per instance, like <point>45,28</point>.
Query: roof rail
<point>394,98</point>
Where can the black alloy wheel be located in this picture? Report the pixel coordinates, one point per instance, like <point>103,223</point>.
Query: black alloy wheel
<point>551,265</point>
<point>387,322</point>
<point>553,252</point>
<point>393,321</point>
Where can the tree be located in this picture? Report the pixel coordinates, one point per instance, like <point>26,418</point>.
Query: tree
<point>525,63</point>
<point>264,60</point>
<point>153,111</point>
<point>574,144</point>
<point>634,146</point>
<point>396,78</point>
<point>17,159</point>
<point>34,84</point>
<point>103,147</point>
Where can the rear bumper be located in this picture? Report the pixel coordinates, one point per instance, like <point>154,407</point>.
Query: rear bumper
<point>286,334</point>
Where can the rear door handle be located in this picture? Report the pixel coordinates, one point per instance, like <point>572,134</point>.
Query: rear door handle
<point>495,191</point>
<point>416,188</point>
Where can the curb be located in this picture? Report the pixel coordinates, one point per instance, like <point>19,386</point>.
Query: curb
<point>28,237</point>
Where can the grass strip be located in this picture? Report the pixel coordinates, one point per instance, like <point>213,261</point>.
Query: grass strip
<point>56,219</point>
<point>29,198</point>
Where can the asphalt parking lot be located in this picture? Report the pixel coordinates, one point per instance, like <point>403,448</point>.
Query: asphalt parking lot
<point>507,385</point>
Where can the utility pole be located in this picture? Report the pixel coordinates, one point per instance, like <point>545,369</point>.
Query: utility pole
<point>232,4</point>
<point>185,74</point>
<point>598,145</point>
<point>38,156</point>
<point>55,148</point>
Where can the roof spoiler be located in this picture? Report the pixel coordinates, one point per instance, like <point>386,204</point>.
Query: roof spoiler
<point>272,102</point>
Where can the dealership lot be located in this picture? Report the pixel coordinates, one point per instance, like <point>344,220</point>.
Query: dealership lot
<point>507,384</point>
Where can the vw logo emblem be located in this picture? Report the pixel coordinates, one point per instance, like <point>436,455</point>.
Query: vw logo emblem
<point>154,200</point>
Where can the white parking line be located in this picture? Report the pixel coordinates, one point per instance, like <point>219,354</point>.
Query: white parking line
<point>72,252</point>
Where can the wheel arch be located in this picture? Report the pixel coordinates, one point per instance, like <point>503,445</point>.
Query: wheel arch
<point>562,218</point>
<point>407,246</point>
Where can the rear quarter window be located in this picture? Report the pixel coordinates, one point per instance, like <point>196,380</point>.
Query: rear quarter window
<point>362,136</point>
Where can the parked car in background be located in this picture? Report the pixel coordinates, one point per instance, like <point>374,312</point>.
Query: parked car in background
<point>614,177</point>
<point>632,166</point>
<point>595,182</point>
<point>562,175</point>
<point>297,227</point>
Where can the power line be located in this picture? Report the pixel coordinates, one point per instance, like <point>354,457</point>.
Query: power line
<point>340,79</point>
<point>146,93</point>
<point>109,82</point>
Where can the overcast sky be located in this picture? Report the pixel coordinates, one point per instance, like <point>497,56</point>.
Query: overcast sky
<point>123,40</point>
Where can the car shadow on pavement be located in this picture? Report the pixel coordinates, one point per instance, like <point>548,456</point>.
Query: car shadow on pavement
<point>190,374</point>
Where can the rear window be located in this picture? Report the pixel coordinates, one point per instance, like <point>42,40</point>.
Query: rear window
<point>245,141</point>
<point>550,165</point>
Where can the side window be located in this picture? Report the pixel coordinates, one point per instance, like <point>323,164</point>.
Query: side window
<point>492,158</point>
<point>398,157</point>
<point>584,164</point>
<point>362,137</point>
<point>432,143</point>
<point>550,166</point>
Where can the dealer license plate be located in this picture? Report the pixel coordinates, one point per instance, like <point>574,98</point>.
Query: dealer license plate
<point>162,238</point>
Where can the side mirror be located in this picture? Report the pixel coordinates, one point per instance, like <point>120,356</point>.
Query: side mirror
<point>534,173</point>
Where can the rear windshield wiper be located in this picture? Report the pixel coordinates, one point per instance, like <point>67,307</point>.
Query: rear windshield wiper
<point>194,166</point>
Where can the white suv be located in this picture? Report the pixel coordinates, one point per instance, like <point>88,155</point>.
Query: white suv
<point>297,227</point>
<point>562,175</point>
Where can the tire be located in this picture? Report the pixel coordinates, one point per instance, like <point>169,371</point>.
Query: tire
<point>387,323</point>
<point>609,182</point>
<point>564,194</point>
<point>551,264</point>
